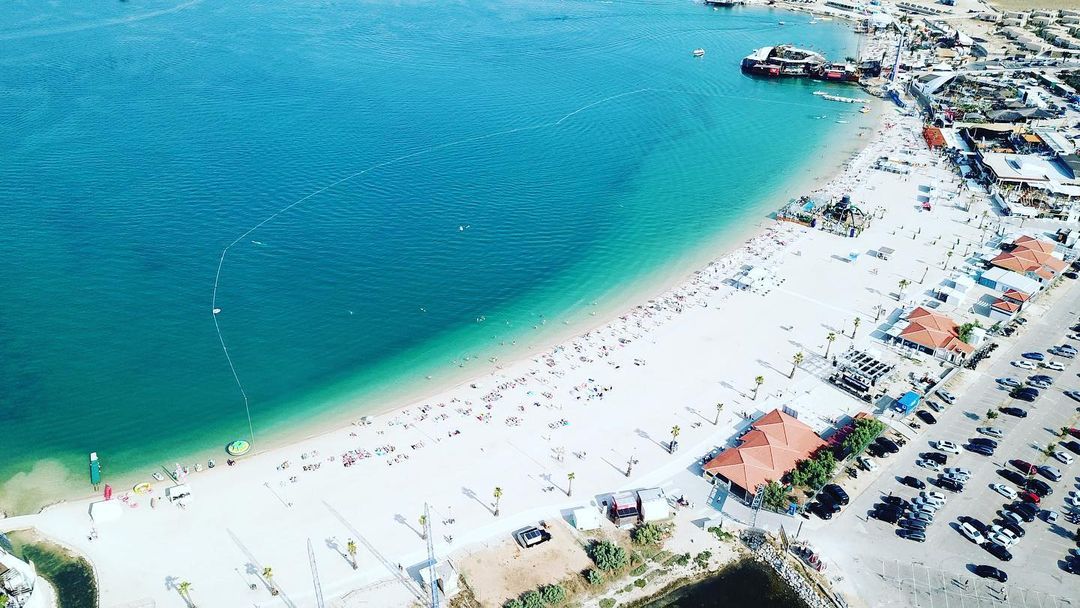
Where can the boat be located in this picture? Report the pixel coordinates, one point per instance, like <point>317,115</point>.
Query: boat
<point>839,98</point>
<point>780,23</point>
<point>142,488</point>
<point>198,467</point>
<point>837,72</point>
<point>699,52</point>
<point>782,61</point>
<point>158,476</point>
<point>864,109</point>
<point>95,469</point>
<point>210,463</point>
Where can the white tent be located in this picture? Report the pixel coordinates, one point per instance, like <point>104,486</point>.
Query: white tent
<point>654,505</point>
<point>181,492</point>
<point>106,510</point>
<point>586,518</point>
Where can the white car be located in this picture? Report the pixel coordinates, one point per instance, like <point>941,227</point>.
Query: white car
<point>921,504</point>
<point>929,464</point>
<point>1023,364</point>
<point>999,539</point>
<point>947,397</point>
<point>1004,490</point>
<point>947,446</point>
<point>934,497</point>
<point>1054,365</point>
<point>990,431</point>
<point>1063,457</point>
<point>957,473</point>
<point>1006,536</point>
<point>1073,499</point>
<point>973,535</point>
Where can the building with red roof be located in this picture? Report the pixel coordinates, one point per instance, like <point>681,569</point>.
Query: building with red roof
<point>932,333</point>
<point>1032,258</point>
<point>772,446</point>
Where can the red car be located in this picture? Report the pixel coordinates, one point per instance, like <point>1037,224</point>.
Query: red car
<point>1075,433</point>
<point>1023,466</point>
<point>1029,497</point>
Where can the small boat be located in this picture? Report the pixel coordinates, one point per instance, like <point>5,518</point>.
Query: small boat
<point>142,488</point>
<point>198,467</point>
<point>210,463</point>
<point>780,23</point>
<point>699,52</point>
<point>864,109</point>
<point>95,469</point>
<point>238,448</point>
<point>841,122</point>
<point>158,476</point>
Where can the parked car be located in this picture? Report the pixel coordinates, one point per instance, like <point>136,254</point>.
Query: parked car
<point>998,551</point>
<point>1017,507</point>
<point>1004,490</point>
<point>948,446</point>
<point>983,441</point>
<point>895,501</point>
<point>824,510</point>
<point>984,450</point>
<point>934,405</point>
<point>1074,395</point>
<point>1038,384</point>
<point>887,514</point>
<point>887,445</point>
<point>1049,472</point>
<point>1012,476</point>
<point>1062,457</point>
<point>914,524</point>
<point>1072,445</point>
<point>1042,378</point>
<point>1009,382</point>
<point>991,431</point>
<point>1068,354</point>
<point>946,396</point>
<point>866,463</point>
<point>937,457</point>
<point>1001,539</point>
<point>1034,356</point>
<point>926,417</point>
<point>1023,466</point>
<point>837,494</point>
<point>950,483</point>
<point>972,534</point>
<point>1075,432</point>
<point>1023,364</point>
<point>1014,411</point>
<point>932,496</point>
<point>1028,395</point>
<point>916,535</point>
<point>974,523</point>
<point>1009,516</point>
<point>1014,528</point>
<point>991,572</point>
<point>913,482</point>
<point>1030,497</point>
<point>962,474</point>
<point>1054,365</point>
<point>1037,486</point>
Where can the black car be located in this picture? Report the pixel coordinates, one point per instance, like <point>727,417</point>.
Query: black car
<point>1014,411</point>
<point>887,445</point>
<point>937,457</point>
<point>836,493</point>
<point>950,484</point>
<point>1072,564</point>
<point>887,514</point>
<point>824,509</point>
<point>916,535</point>
<point>926,417</point>
<point>979,448</point>
<point>913,482</point>
<point>895,501</point>
<point>1012,476</point>
<point>983,441</point>
<point>913,524</point>
<point>998,551</point>
<point>1024,513</point>
<point>1036,486</point>
<point>991,572</point>
<point>974,523</point>
<point>1012,527</point>
<point>1023,396</point>
<point>1042,378</point>
<point>1072,446</point>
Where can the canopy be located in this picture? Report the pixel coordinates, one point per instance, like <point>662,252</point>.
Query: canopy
<point>909,401</point>
<point>586,518</point>
<point>106,510</point>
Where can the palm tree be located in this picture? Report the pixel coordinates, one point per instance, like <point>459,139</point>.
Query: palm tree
<point>719,408</point>
<point>423,527</point>
<point>570,484</point>
<point>184,587</point>
<point>498,495</point>
<point>350,547</point>
<point>855,326</point>
<point>903,285</point>
<point>675,430</point>
<point>797,360</point>
<point>830,338</point>
<point>758,381</point>
<point>945,264</point>
<point>268,576</point>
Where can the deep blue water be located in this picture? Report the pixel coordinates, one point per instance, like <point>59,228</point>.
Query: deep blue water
<point>578,144</point>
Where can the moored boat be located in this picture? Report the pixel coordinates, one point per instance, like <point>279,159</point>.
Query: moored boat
<point>95,469</point>
<point>782,61</point>
<point>699,52</point>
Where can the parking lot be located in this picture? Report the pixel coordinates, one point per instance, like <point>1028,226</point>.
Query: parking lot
<point>885,569</point>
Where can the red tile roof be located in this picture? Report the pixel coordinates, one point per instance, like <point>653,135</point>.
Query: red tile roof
<point>934,331</point>
<point>1030,255</point>
<point>1016,294</point>
<point>770,449</point>
<point>1005,306</point>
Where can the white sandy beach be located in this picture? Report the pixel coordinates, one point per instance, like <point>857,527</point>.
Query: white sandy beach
<point>587,406</point>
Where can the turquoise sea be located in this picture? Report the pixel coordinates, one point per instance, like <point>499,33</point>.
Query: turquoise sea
<point>507,164</point>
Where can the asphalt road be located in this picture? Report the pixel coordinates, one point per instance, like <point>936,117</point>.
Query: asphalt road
<point>889,570</point>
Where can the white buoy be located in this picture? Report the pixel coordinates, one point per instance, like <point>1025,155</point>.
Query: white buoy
<point>217,310</point>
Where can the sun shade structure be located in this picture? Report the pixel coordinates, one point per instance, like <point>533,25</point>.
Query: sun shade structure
<point>934,333</point>
<point>775,442</point>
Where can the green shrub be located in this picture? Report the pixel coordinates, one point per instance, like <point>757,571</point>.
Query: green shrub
<point>607,602</point>
<point>650,533</point>
<point>639,582</point>
<point>607,555</point>
<point>532,599</point>
<point>661,557</point>
<point>682,559</point>
<point>594,577</point>
<point>639,570</point>
<point>702,559</point>
<point>514,603</point>
<point>553,594</point>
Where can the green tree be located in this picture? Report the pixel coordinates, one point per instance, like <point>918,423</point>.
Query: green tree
<point>268,576</point>
<point>758,381</point>
<point>422,520</point>
<point>498,496</point>
<point>675,430</point>
<point>774,496</point>
<point>855,326</point>
<point>570,483</point>
<point>991,414</point>
<point>865,431</point>
<point>650,533</point>
<point>797,361</point>
<point>594,577</point>
<point>532,599</point>
<point>514,603</point>
<point>184,587</point>
<point>830,338</point>
<point>816,471</point>
<point>607,555</point>
<point>553,594</point>
<point>903,285</point>
<point>965,330</point>
<point>719,408</point>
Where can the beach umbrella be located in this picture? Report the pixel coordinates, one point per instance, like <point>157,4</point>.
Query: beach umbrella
<point>108,492</point>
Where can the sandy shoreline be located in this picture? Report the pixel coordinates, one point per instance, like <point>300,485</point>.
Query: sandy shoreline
<point>342,411</point>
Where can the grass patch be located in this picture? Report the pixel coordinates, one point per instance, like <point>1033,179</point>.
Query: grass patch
<point>70,575</point>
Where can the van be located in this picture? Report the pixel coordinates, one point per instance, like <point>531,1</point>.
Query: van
<point>531,536</point>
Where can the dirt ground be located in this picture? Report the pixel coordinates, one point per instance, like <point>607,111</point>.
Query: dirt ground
<point>502,570</point>
<point>1022,5</point>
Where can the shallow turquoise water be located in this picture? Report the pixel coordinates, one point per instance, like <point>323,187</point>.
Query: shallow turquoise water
<point>579,143</point>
